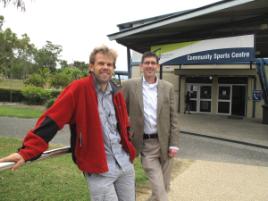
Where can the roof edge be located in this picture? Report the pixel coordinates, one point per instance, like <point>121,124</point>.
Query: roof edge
<point>180,17</point>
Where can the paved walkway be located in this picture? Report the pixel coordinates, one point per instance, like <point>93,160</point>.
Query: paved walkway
<point>248,131</point>
<point>217,181</point>
<point>199,180</point>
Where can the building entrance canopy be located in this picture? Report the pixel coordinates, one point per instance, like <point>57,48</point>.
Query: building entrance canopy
<point>222,19</point>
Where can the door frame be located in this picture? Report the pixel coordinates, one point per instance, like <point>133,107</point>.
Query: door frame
<point>245,100</point>
<point>224,100</point>
<point>198,99</point>
<point>231,98</point>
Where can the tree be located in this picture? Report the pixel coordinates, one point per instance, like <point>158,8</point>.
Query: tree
<point>18,3</point>
<point>20,69</point>
<point>63,63</point>
<point>8,41</point>
<point>16,54</point>
<point>82,66</point>
<point>44,72</point>
<point>1,22</point>
<point>47,56</point>
<point>19,57</point>
<point>23,58</point>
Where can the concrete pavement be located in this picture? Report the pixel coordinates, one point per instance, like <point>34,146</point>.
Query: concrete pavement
<point>245,131</point>
<point>18,127</point>
<point>216,181</point>
<point>196,180</point>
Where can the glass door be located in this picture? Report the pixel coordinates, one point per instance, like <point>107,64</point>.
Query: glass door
<point>224,99</point>
<point>200,100</point>
<point>194,93</point>
<point>205,98</point>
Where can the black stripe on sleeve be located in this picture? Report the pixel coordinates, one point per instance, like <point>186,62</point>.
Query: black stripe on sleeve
<point>47,130</point>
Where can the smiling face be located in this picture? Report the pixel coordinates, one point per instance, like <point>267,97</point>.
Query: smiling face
<point>149,66</point>
<point>102,68</point>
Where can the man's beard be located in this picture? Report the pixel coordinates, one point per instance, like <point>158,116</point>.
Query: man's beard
<point>100,81</point>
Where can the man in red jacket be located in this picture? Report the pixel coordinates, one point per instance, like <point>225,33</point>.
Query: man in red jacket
<point>96,112</point>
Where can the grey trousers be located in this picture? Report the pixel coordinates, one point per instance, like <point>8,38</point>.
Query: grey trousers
<point>158,171</point>
<point>117,185</point>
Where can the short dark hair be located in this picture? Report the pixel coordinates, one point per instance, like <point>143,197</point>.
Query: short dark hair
<point>149,54</point>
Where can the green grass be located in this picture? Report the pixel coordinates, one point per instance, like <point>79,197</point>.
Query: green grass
<point>55,179</point>
<point>21,111</point>
<point>11,84</point>
<point>141,178</point>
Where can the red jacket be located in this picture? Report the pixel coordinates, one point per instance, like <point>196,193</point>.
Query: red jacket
<point>77,105</point>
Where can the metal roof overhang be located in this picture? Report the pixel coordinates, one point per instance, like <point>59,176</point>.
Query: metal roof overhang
<point>221,19</point>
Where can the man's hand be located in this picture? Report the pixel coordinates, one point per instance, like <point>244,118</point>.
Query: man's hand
<point>172,152</point>
<point>16,158</point>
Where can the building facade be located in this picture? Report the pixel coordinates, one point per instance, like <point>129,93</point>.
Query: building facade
<point>223,89</point>
<point>209,51</point>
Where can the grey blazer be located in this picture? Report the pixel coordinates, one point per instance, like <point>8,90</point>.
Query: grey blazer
<point>167,120</point>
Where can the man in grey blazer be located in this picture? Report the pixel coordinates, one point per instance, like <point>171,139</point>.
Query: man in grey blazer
<point>154,123</point>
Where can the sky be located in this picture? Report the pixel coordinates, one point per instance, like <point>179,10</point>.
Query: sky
<point>80,25</point>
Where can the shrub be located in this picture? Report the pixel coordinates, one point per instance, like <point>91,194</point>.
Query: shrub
<point>64,76</point>
<point>54,93</point>
<point>50,102</point>
<point>35,95</point>
<point>73,72</point>
<point>60,80</point>
<point>11,95</point>
<point>35,80</point>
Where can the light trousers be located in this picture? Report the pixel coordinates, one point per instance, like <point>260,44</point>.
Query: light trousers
<point>158,171</point>
<point>116,185</point>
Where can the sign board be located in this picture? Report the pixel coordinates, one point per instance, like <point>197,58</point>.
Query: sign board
<point>229,50</point>
<point>257,95</point>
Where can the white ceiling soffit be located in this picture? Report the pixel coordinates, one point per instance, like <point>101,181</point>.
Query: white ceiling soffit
<point>190,15</point>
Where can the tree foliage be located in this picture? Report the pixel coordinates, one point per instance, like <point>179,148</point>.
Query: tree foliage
<point>59,80</point>
<point>63,63</point>
<point>47,56</point>
<point>18,3</point>
<point>73,72</point>
<point>16,55</point>
<point>19,57</point>
<point>35,80</point>
<point>1,22</point>
<point>64,76</point>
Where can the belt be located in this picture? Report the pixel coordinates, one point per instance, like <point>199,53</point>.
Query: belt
<point>150,136</point>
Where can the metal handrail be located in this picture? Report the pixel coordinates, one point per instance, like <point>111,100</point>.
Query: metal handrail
<point>47,154</point>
